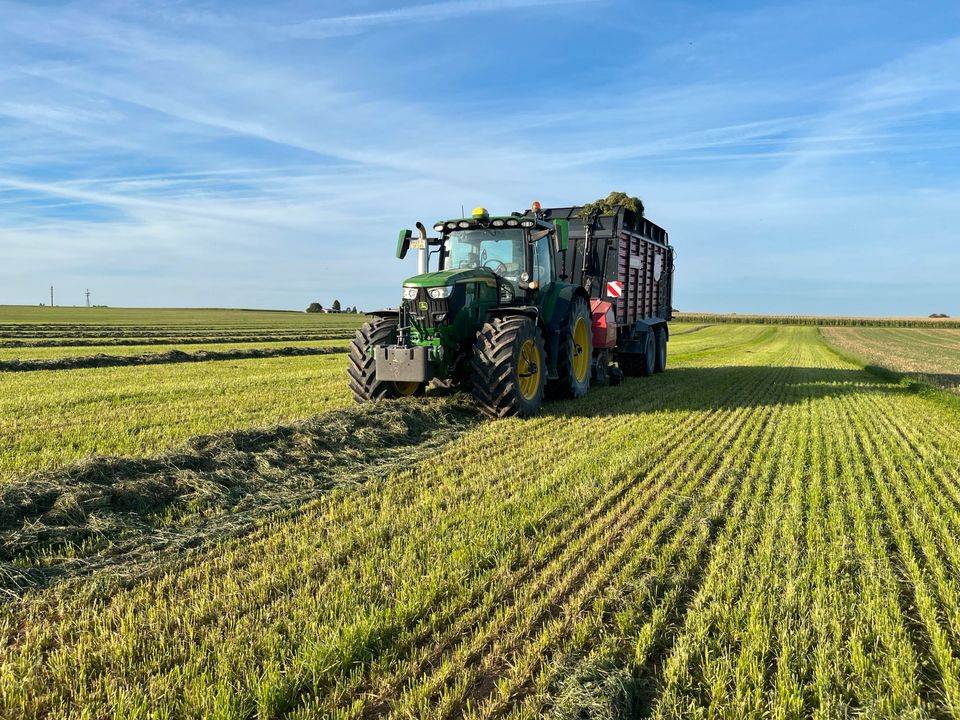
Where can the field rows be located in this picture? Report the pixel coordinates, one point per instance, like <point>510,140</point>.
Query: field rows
<point>765,530</point>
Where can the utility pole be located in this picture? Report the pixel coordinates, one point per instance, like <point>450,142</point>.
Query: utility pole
<point>51,296</point>
<point>88,297</point>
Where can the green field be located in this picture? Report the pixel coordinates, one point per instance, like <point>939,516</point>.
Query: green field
<point>175,318</point>
<point>765,530</point>
<point>932,354</point>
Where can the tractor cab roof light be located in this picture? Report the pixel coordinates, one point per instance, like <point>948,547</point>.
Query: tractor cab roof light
<point>527,223</point>
<point>512,222</point>
<point>498,223</point>
<point>464,224</point>
<point>438,227</point>
<point>451,225</point>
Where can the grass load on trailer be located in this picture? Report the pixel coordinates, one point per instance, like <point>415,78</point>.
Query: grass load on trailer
<point>523,305</point>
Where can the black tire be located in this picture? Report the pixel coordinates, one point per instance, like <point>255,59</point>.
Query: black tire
<point>500,352</point>
<point>660,356</point>
<point>568,385</point>
<point>361,363</point>
<point>639,364</point>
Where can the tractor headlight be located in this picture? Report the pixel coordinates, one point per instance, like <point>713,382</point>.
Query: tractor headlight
<point>410,293</point>
<point>440,293</point>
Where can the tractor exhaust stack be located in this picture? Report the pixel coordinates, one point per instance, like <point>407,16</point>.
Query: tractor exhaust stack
<point>423,251</point>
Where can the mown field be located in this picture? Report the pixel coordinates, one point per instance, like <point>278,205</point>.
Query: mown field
<point>931,354</point>
<point>765,530</point>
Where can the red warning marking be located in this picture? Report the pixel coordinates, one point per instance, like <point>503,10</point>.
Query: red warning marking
<point>615,289</point>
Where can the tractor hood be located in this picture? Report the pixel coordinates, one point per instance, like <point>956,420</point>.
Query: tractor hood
<point>450,277</point>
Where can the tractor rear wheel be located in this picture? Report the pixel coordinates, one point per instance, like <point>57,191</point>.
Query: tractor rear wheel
<point>361,363</point>
<point>639,364</point>
<point>660,361</point>
<point>509,367</point>
<point>576,352</point>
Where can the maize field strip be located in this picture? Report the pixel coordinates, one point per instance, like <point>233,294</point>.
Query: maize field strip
<point>172,356</point>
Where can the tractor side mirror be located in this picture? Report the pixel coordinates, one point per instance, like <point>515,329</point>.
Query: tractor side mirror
<point>563,234</point>
<point>403,243</point>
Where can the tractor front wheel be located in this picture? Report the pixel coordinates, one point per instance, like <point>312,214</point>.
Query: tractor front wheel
<point>361,363</point>
<point>509,367</point>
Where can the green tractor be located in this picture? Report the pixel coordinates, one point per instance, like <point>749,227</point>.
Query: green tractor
<point>494,318</point>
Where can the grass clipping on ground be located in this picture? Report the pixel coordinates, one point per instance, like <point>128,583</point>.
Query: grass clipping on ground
<point>101,360</point>
<point>118,514</point>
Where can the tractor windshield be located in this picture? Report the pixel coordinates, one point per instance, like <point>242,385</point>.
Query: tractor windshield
<point>502,251</point>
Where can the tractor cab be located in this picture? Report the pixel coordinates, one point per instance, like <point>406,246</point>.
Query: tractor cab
<point>517,251</point>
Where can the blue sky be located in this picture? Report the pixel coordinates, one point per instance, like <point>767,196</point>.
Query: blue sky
<point>805,157</point>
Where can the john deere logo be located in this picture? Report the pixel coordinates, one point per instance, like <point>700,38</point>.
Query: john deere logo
<point>423,305</point>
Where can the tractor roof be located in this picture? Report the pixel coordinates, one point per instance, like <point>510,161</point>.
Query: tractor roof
<point>490,221</point>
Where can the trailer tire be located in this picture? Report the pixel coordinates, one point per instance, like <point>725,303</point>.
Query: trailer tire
<point>660,361</point>
<point>509,367</point>
<point>639,364</point>
<point>361,363</point>
<point>576,352</point>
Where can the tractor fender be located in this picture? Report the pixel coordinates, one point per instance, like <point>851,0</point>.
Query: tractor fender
<point>385,313</point>
<point>530,311</point>
<point>558,312</point>
<point>635,340</point>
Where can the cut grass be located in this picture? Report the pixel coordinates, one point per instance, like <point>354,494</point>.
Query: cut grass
<point>101,360</point>
<point>56,353</point>
<point>766,530</point>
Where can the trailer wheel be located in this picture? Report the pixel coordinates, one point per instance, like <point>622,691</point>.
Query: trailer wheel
<point>509,367</point>
<point>576,352</point>
<point>660,361</point>
<point>639,364</point>
<point>361,364</point>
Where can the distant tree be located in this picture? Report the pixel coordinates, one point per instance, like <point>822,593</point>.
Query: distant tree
<point>315,307</point>
<point>336,306</point>
<point>939,315</point>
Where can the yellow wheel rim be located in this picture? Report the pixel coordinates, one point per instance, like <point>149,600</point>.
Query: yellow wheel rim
<point>581,355</point>
<point>406,388</point>
<point>529,369</point>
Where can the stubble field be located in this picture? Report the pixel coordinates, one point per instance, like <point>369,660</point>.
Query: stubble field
<point>765,530</point>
